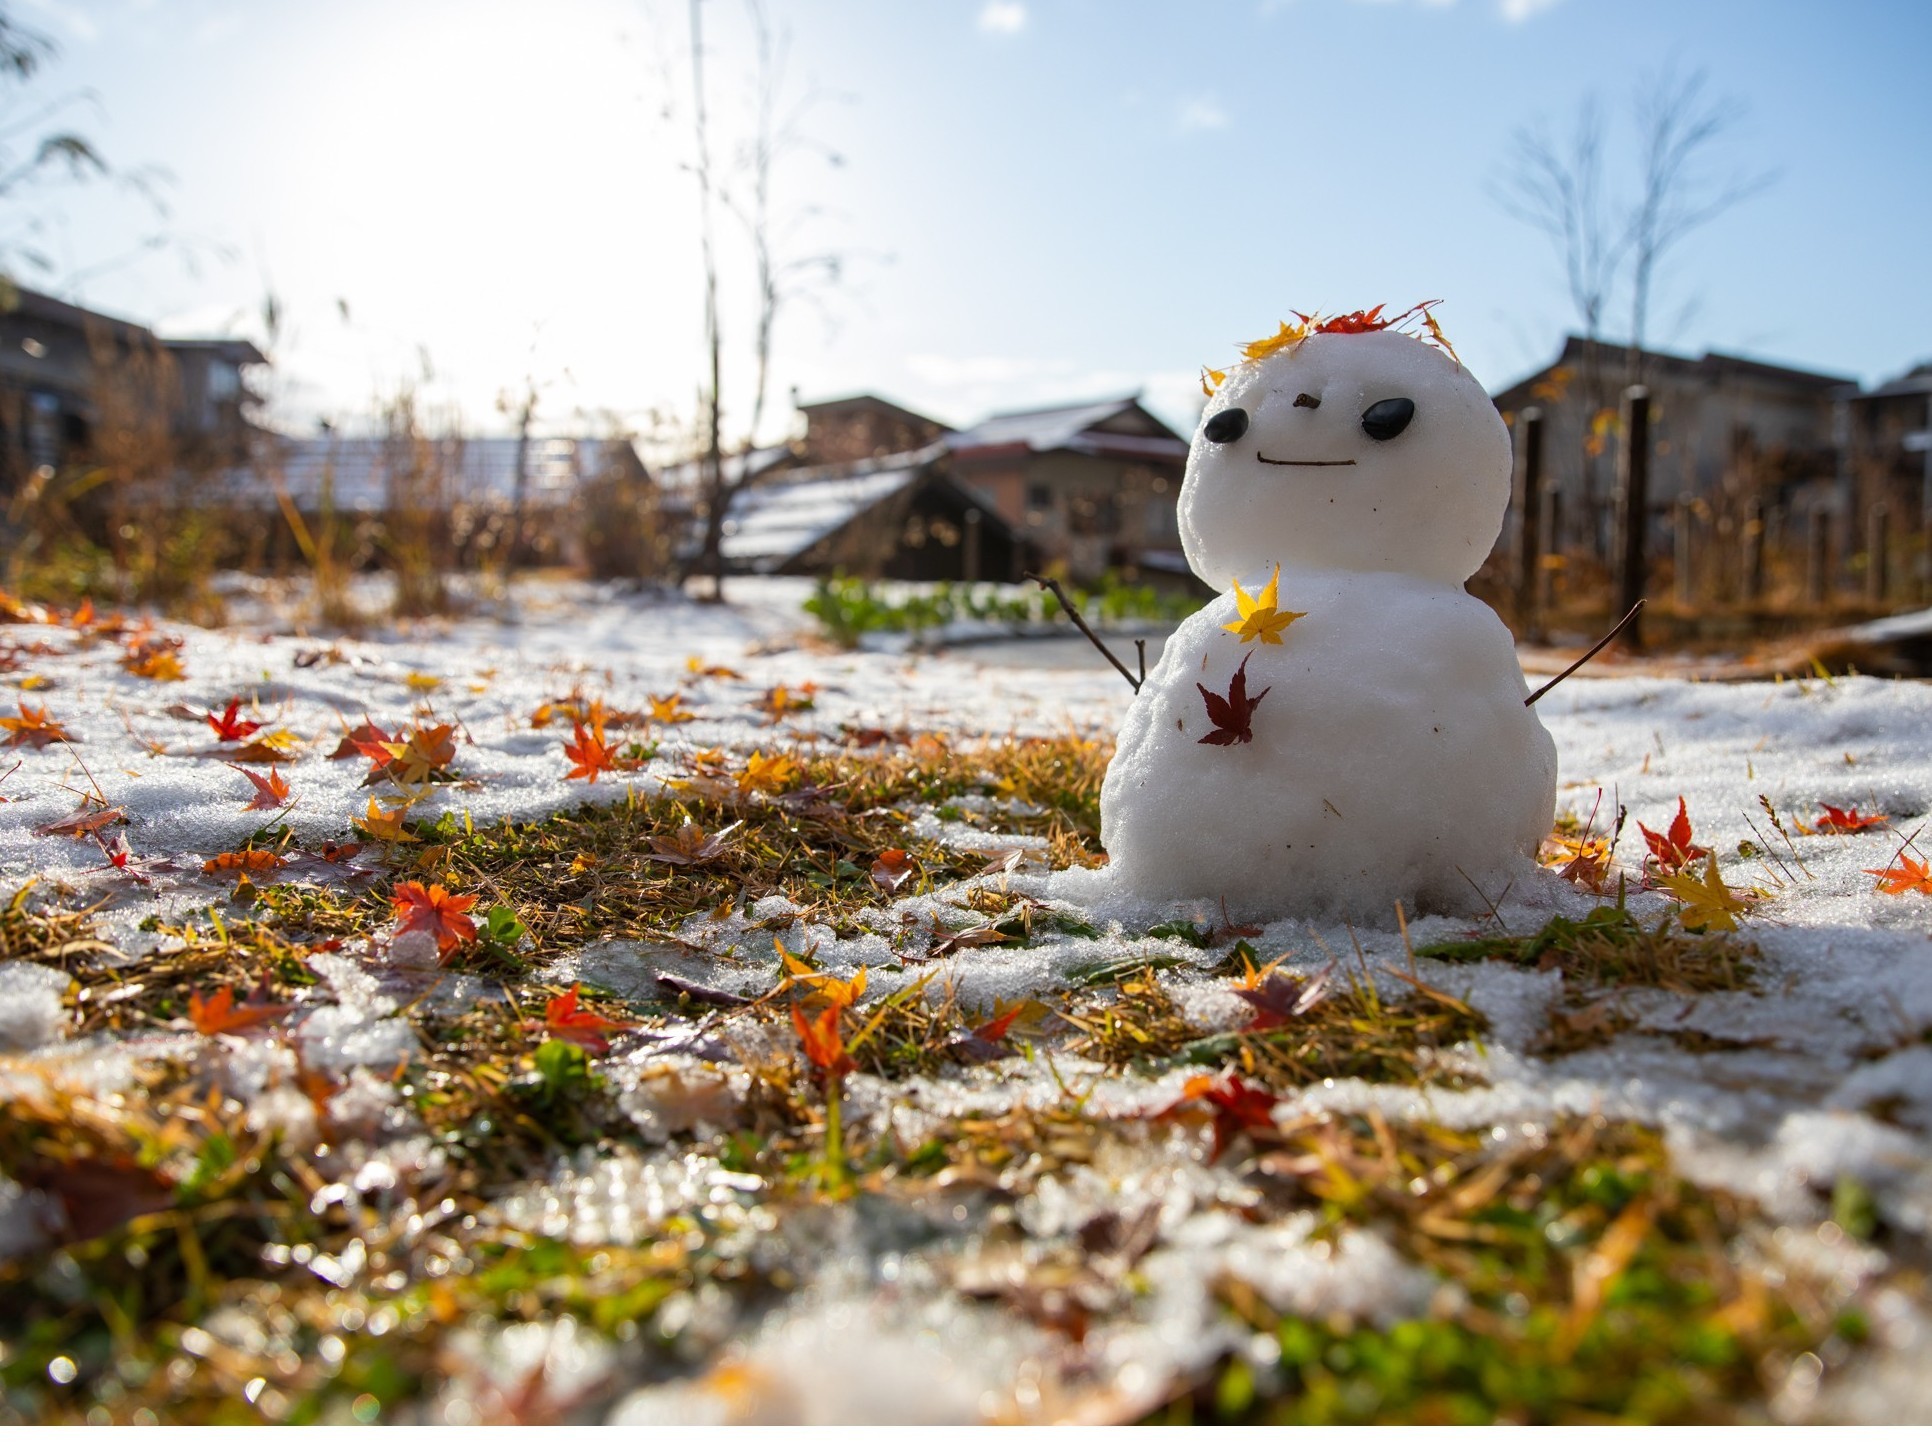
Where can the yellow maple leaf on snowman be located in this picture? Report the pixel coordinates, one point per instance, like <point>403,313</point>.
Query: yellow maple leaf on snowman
<point>1260,615</point>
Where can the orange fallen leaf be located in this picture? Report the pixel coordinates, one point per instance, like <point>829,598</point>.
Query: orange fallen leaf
<point>91,817</point>
<point>271,790</point>
<point>261,862</point>
<point>33,727</point>
<point>579,1024</point>
<point>824,1047</point>
<point>590,756</point>
<point>431,908</point>
<point>220,1013</point>
<point>1908,875</point>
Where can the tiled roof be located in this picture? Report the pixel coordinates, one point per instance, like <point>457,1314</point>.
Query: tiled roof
<point>771,523</point>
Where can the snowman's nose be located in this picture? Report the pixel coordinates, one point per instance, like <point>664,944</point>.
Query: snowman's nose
<point>1307,400</point>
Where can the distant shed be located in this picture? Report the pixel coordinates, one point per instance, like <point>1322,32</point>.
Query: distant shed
<point>903,516</point>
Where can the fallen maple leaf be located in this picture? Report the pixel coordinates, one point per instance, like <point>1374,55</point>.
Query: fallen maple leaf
<point>1846,822</point>
<point>380,824</point>
<point>424,755</point>
<point>697,668</point>
<point>33,727</point>
<point>1233,716</point>
<point>1708,902</point>
<point>589,755</point>
<point>579,1024</point>
<point>366,740</point>
<point>767,774</point>
<point>271,790</point>
<point>261,862</point>
<point>987,1041</point>
<point>92,816</point>
<point>1582,859</point>
<point>824,1048</point>
<point>1234,1107</point>
<point>1907,875</point>
<point>1258,616</point>
<point>892,869</point>
<point>779,701</point>
<point>431,908</point>
<point>219,1013</point>
<point>1673,849</point>
<point>96,1195</point>
<point>1277,998</point>
<point>154,661</point>
<point>422,683</point>
<point>691,845</point>
<point>669,709</point>
<point>228,726</point>
<point>826,990</point>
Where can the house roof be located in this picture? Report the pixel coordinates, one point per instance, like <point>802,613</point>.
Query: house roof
<point>469,470</point>
<point>868,402</point>
<point>238,350</point>
<point>771,523</point>
<point>1711,364</point>
<point>1117,426</point>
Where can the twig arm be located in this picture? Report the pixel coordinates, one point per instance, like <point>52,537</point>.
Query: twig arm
<point>1615,630</point>
<point>1053,587</point>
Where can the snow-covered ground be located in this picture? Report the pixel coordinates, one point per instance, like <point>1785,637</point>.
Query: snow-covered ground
<point>1828,1075</point>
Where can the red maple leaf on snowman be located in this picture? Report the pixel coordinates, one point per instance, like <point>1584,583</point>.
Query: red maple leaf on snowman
<point>1232,716</point>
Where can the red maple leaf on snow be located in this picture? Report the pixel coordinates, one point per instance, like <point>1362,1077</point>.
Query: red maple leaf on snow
<point>1673,848</point>
<point>228,727</point>
<point>1232,717</point>
<point>1845,822</point>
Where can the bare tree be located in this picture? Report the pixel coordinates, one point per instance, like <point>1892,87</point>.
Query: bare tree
<point>1677,126</point>
<point>28,153</point>
<point>1559,190</point>
<point>745,193</point>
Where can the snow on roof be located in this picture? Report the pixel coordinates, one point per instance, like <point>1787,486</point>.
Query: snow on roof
<point>471,470</point>
<point>1072,428</point>
<point>770,523</point>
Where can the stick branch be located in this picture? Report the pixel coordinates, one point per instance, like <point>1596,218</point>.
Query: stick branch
<point>1616,629</point>
<point>1053,587</point>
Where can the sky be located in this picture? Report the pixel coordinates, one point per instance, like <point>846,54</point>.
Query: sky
<point>982,204</point>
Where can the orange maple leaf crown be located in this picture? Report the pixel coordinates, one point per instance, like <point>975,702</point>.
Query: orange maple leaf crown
<point>1418,321</point>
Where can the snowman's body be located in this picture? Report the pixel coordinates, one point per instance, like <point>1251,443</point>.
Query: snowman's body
<point>1392,756</point>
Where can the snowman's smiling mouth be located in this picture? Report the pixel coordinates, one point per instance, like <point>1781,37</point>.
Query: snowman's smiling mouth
<point>1305,462</point>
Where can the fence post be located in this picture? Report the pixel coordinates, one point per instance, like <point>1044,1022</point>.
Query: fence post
<point>1529,529</point>
<point>1549,547</point>
<point>1683,521</point>
<point>969,548</point>
<point>1754,554</point>
<point>1634,468</point>
<point>1877,547</point>
<point>1818,556</point>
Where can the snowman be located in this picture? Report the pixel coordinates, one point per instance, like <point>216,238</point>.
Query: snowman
<point>1345,726</point>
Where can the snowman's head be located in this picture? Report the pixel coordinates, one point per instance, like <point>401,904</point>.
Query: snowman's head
<point>1369,451</point>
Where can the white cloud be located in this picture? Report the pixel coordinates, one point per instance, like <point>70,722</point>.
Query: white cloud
<point>1517,11</point>
<point>1002,17</point>
<point>1203,113</point>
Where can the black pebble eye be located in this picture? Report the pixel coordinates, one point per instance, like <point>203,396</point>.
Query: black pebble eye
<point>1383,420</point>
<point>1225,427</point>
